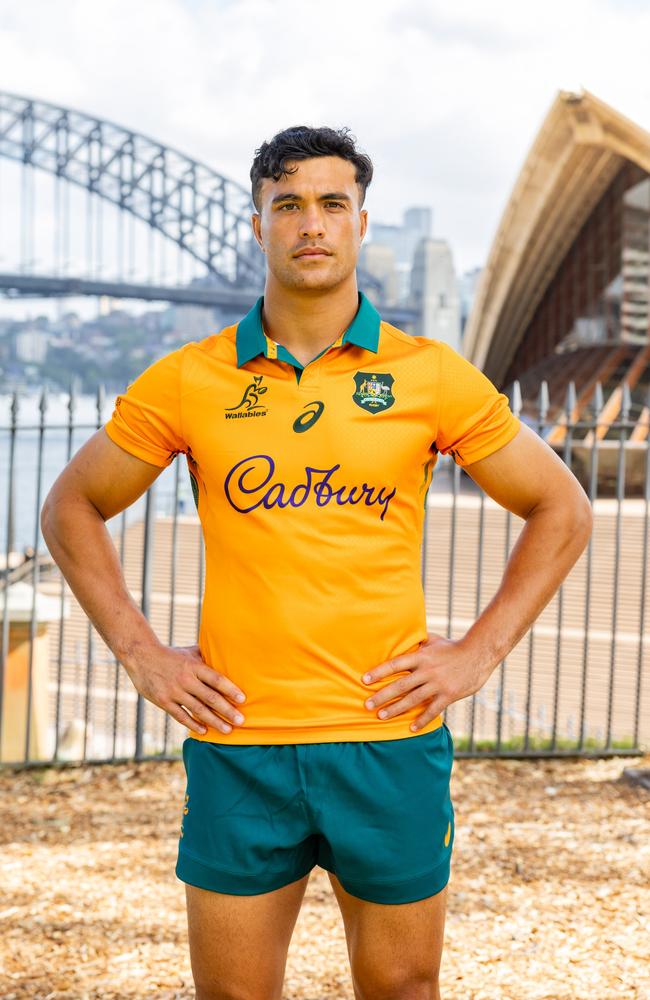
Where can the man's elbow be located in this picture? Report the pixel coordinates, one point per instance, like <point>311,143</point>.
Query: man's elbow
<point>573,510</point>
<point>48,519</point>
<point>584,517</point>
<point>62,506</point>
<point>579,518</point>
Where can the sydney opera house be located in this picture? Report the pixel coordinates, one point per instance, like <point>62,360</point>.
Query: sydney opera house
<point>565,293</point>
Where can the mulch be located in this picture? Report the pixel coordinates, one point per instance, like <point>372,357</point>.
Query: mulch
<point>549,894</point>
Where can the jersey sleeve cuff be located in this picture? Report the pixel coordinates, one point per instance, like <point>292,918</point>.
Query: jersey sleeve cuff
<point>506,434</point>
<point>151,455</point>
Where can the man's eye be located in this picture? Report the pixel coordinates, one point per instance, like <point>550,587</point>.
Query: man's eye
<point>288,205</point>
<point>337,203</point>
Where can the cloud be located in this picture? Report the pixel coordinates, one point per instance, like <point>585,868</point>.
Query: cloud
<point>446,100</point>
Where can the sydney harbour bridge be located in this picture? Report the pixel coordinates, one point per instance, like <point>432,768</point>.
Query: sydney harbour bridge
<point>95,209</point>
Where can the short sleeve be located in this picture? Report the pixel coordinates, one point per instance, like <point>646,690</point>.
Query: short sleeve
<point>146,420</point>
<point>474,418</point>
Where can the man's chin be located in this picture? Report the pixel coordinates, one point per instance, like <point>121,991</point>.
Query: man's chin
<point>311,281</point>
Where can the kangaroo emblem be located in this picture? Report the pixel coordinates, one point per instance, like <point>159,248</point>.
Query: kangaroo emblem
<point>250,399</point>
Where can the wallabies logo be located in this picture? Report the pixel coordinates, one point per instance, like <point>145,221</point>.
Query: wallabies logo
<point>250,399</point>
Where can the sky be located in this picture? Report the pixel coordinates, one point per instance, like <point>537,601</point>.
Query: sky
<point>445,98</point>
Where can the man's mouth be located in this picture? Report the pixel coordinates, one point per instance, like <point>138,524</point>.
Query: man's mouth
<point>311,252</point>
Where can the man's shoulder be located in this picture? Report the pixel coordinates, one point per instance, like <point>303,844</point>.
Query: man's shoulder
<point>409,340</point>
<point>222,341</point>
<point>218,346</point>
<point>196,358</point>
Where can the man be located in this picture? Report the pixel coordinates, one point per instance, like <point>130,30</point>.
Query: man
<point>311,429</point>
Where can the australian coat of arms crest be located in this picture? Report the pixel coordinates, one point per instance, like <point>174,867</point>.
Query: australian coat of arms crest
<point>373,391</point>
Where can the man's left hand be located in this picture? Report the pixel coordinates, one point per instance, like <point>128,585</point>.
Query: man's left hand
<point>441,671</point>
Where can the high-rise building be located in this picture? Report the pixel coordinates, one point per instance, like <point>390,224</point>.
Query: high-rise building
<point>467,284</point>
<point>434,292</point>
<point>379,261</point>
<point>402,240</point>
<point>419,220</point>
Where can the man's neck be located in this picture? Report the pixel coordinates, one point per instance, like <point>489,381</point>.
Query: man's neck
<point>308,322</point>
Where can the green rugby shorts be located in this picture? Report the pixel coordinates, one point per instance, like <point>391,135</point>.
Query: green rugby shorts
<point>378,814</point>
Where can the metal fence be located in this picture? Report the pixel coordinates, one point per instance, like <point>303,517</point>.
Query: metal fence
<point>572,686</point>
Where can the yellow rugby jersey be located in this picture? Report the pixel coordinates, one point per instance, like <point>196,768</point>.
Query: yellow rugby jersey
<point>310,484</point>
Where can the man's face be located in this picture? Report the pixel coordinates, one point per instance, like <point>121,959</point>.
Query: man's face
<point>316,207</point>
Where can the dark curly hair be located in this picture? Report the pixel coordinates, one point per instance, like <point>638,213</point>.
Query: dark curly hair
<point>301,142</point>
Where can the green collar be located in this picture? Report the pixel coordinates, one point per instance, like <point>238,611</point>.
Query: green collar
<point>363,330</point>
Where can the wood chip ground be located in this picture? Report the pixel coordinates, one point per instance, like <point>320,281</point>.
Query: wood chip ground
<point>548,897</point>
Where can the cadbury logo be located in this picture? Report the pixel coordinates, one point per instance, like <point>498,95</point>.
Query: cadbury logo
<point>249,485</point>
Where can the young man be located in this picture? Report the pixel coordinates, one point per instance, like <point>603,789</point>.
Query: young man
<point>311,429</point>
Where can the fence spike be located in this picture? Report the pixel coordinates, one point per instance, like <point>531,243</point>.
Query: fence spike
<point>626,401</point>
<point>72,396</point>
<point>42,403</point>
<point>14,409</point>
<point>543,400</point>
<point>570,400</point>
<point>598,398</point>
<point>101,395</point>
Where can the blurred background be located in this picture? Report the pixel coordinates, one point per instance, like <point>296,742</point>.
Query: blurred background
<point>509,216</point>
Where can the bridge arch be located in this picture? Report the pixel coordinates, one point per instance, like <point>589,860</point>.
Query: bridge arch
<point>203,212</point>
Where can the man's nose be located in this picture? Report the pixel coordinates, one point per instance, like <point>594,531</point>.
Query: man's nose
<point>312,222</point>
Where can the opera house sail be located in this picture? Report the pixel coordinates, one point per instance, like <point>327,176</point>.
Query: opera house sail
<point>565,295</point>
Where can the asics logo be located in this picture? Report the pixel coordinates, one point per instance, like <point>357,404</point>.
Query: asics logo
<point>309,417</point>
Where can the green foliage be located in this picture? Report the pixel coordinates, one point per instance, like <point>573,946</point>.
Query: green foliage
<point>516,743</point>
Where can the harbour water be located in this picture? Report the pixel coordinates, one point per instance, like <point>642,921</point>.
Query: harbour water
<point>52,453</point>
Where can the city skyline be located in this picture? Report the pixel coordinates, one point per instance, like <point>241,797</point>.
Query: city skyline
<point>496,71</point>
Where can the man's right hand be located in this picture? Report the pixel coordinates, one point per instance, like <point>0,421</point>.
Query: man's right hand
<point>178,680</point>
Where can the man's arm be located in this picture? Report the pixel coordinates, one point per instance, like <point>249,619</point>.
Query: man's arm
<point>526,477</point>
<point>101,480</point>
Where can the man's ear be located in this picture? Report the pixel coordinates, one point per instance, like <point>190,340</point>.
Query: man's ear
<point>256,223</point>
<point>364,224</point>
